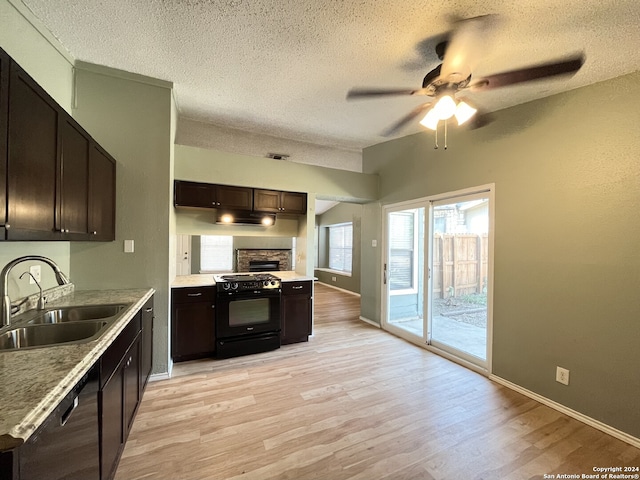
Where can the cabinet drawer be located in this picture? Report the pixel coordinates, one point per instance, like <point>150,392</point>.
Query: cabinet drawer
<point>111,358</point>
<point>194,294</point>
<point>297,288</point>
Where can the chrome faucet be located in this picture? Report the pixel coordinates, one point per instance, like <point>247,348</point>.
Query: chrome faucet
<point>5,313</point>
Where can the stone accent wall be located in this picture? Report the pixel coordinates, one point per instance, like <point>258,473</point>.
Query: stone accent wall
<point>245,255</point>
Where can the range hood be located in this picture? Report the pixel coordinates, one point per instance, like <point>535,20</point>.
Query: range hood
<point>227,217</point>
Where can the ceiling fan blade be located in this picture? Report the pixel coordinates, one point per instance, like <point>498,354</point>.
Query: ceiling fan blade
<point>464,48</point>
<point>406,119</point>
<point>565,67</point>
<point>355,93</point>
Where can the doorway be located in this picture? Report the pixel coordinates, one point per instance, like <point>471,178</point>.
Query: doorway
<point>438,273</point>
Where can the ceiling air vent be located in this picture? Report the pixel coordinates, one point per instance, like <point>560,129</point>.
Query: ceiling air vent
<point>278,156</point>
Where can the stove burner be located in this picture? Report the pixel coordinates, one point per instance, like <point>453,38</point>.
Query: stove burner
<point>244,282</point>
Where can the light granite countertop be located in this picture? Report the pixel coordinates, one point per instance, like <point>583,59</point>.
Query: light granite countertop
<point>34,381</point>
<point>206,279</point>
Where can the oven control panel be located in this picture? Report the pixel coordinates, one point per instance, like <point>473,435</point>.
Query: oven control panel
<point>244,286</point>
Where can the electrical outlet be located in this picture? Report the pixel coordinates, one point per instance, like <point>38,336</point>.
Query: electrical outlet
<point>36,272</point>
<point>562,375</point>
<point>333,279</point>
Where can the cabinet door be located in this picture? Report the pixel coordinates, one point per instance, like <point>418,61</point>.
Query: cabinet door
<point>131,384</point>
<point>102,195</point>
<point>146,359</point>
<point>4,112</point>
<point>32,159</point>
<point>292,202</point>
<point>240,198</point>
<point>266,200</point>
<point>111,425</point>
<point>194,194</point>
<point>296,313</point>
<point>193,331</point>
<point>74,212</point>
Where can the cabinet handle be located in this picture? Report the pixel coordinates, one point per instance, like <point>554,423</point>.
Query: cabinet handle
<point>213,306</point>
<point>148,310</point>
<point>194,294</point>
<point>6,226</point>
<point>65,416</point>
<point>297,288</point>
<point>94,232</point>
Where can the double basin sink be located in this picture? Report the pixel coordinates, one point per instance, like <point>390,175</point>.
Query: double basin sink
<point>56,326</point>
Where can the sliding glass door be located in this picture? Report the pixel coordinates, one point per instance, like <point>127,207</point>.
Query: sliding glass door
<point>437,272</point>
<point>404,270</point>
<point>460,271</point>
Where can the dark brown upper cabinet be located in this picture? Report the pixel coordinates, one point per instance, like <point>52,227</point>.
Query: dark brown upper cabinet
<point>52,184</point>
<point>4,117</point>
<point>32,161</point>
<point>102,195</point>
<point>207,195</point>
<point>279,202</point>
<point>73,219</point>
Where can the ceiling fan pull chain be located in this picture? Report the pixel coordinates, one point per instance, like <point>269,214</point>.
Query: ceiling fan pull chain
<point>436,145</point>
<point>445,134</point>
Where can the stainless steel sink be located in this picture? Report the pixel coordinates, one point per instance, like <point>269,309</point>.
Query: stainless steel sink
<point>77,314</point>
<point>41,335</point>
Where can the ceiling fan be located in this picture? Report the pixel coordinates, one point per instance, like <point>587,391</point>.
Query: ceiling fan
<point>459,55</point>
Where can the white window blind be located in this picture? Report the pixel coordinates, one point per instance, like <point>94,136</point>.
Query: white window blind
<point>401,250</point>
<point>216,253</point>
<point>341,247</point>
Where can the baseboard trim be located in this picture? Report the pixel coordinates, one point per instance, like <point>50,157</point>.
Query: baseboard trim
<point>370,322</point>
<point>159,376</point>
<point>592,422</point>
<point>341,289</point>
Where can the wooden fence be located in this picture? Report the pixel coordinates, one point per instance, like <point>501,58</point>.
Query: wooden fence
<point>459,264</point>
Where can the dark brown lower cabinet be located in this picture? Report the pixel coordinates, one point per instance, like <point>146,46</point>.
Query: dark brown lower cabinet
<point>146,358</point>
<point>120,394</point>
<point>193,333</point>
<point>296,311</point>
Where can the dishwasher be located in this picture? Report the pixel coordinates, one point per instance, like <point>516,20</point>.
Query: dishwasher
<point>66,446</point>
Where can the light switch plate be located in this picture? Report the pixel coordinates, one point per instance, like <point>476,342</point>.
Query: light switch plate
<point>128,246</point>
<point>374,243</point>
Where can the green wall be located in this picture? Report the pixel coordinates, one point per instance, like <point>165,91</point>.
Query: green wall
<point>131,117</point>
<point>567,268</point>
<point>31,45</point>
<point>341,213</point>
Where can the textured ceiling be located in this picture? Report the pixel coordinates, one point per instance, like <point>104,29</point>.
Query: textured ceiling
<point>283,68</point>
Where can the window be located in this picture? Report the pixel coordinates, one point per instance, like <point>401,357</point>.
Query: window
<point>402,267</point>
<point>216,253</point>
<point>340,247</point>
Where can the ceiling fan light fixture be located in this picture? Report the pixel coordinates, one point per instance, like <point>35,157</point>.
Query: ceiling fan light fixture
<point>430,120</point>
<point>446,107</point>
<point>464,112</point>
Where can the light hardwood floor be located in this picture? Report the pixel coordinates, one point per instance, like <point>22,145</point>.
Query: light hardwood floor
<point>352,403</point>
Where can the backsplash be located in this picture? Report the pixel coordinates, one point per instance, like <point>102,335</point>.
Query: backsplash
<point>51,294</point>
